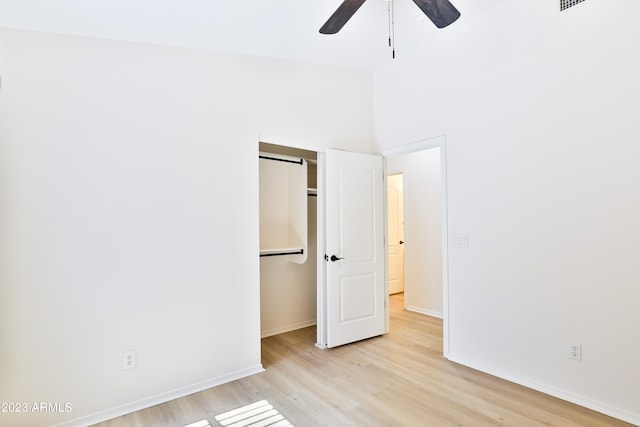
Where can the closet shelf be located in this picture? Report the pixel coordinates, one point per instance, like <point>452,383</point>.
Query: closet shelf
<point>281,251</point>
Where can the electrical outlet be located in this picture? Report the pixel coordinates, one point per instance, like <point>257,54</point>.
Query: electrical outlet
<point>575,351</point>
<point>129,359</point>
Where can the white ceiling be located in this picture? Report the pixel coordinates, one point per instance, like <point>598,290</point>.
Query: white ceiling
<point>274,28</point>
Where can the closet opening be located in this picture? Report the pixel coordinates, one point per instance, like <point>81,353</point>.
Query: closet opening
<point>288,239</point>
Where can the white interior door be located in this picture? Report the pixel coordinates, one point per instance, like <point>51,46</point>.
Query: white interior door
<point>354,247</point>
<point>395,233</point>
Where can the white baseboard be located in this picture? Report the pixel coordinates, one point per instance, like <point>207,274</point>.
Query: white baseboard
<point>426,312</point>
<point>157,399</point>
<point>287,328</point>
<point>583,401</point>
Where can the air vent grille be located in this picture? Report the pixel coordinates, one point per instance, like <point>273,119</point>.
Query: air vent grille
<point>566,4</point>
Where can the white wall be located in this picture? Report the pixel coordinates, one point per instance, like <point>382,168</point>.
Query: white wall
<point>129,212</point>
<point>540,111</point>
<point>423,230</point>
<point>1,55</point>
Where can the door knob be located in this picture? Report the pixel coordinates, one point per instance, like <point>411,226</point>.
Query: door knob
<point>335,258</point>
<point>402,242</point>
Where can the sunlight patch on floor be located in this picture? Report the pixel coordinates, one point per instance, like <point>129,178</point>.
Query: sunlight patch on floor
<point>258,414</point>
<point>201,423</point>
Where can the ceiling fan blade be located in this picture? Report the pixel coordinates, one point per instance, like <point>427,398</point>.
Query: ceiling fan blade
<point>441,12</point>
<point>340,17</point>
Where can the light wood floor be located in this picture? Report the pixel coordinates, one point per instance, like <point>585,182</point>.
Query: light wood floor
<point>400,379</point>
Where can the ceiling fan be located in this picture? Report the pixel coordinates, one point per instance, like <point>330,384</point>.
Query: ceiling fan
<point>440,12</point>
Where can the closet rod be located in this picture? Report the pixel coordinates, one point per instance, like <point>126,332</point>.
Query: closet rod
<point>297,162</point>
<point>300,252</point>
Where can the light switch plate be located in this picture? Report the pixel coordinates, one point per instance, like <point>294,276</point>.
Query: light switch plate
<point>460,240</point>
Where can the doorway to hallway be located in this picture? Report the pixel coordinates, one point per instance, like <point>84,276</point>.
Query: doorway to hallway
<point>423,168</point>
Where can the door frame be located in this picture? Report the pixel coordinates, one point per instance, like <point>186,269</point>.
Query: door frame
<point>321,271</point>
<point>422,145</point>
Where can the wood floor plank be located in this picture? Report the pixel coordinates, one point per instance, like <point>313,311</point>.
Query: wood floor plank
<point>400,379</point>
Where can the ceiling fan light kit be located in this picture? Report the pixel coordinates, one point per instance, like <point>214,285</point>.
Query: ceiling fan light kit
<point>441,12</point>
